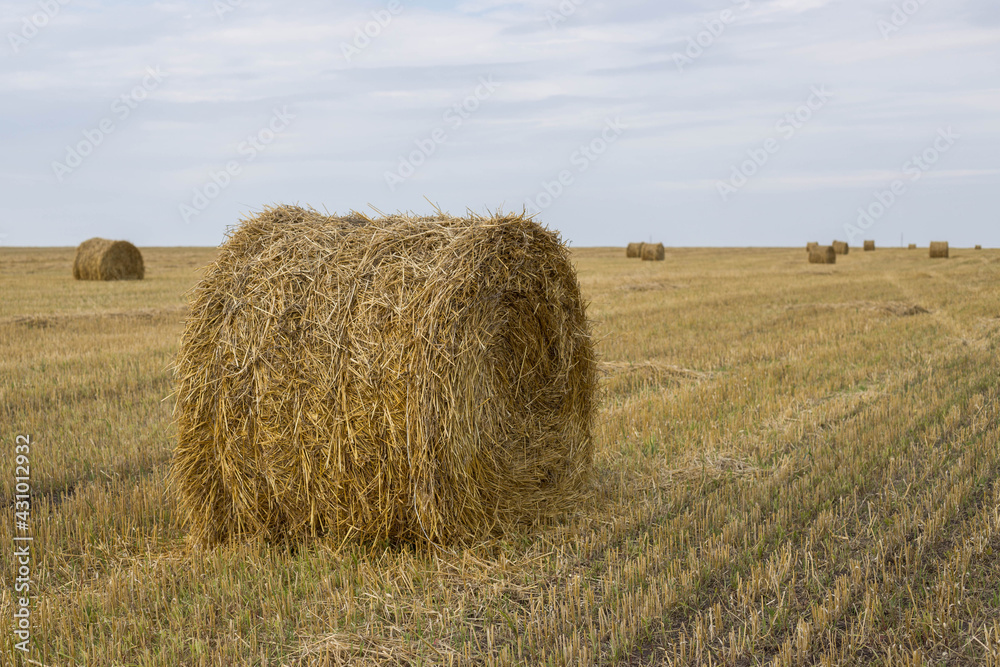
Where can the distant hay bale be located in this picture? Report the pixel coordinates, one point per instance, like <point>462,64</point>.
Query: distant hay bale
<point>913,246</point>
<point>812,245</point>
<point>823,255</point>
<point>634,250</point>
<point>419,379</point>
<point>939,250</point>
<point>101,259</point>
<point>653,252</point>
<point>979,247</point>
<point>841,248</point>
<point>869,246</point>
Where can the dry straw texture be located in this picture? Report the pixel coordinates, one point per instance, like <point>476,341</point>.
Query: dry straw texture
<point>913,246</point>
<point>869,246</point>
<point>101,259</point>
<point>812,245</point>
<point>841,248</point>
<point>424,379</point>
<point>653,252</point>
<point>823,255</point>
<point>939,250</point>
<point>634,250</point>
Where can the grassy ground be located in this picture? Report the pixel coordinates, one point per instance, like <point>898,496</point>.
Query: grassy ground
<point>795,464</point>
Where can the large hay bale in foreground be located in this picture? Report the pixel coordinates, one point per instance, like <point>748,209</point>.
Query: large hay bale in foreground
<point>869,246</point>
<point>823,255</point>
<point>939,250</point>
<point>653,252</point>
<point>841,248</point>
<point>423,379</point>
<point>634,250</point>
<point>101,259</point>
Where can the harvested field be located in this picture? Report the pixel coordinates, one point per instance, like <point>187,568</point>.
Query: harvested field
<point>793,464</point>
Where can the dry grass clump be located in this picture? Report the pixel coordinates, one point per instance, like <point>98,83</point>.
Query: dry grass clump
<point>841,247</point>
<point>101,259</point>
<point>653,252</point>
<point>939,250</point>
<point>423,379</point>
<point>634,250</point>
<point>823,255</point>
<point>869,246</point>
<point>913,246</point>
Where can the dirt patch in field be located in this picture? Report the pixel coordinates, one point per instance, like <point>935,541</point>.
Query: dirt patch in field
<point>650,369</point>
<point>46,321</point>
<point>624,383</point>
<point>649,286</point>
<point>897,308</point>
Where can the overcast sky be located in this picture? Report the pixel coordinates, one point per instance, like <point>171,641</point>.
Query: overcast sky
<point>694,122</point>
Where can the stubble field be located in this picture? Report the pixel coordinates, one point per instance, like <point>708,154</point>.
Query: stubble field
<point>795,464</point>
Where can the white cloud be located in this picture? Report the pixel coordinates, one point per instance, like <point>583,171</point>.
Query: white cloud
<point>556,88</point>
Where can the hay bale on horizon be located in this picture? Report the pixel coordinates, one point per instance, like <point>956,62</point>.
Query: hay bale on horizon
<point>634,250</point>
<point>939,250</point>
<point>841,248</point>
<point>812,245</point>
<point>101,259</point>
<point>653,252</point>
<point>913,246</point>
<point>420,379</point>
<point>823,255</point>
<point>869,246</point>
<point>979,247</point>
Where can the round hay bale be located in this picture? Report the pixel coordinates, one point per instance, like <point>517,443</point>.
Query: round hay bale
<point>913,246</point>
<point>653,252</point>
<point>633,251</point>
<point>841,248</point>
<point>101,259</point>
<point>823,255</point>
<point>812,245</point>
<point>939,250</point>
<point>869,246</point>
<point>979,247</point>
<point>420,379</point>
